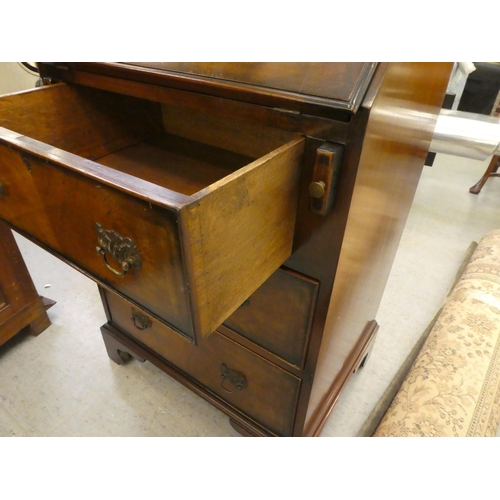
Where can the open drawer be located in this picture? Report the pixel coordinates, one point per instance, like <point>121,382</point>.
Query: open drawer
<point>184,218</point>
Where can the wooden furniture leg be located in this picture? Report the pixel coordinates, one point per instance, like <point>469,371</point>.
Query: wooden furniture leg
<point>117,351</point>
<point>41,322</point>
<point>20,305</point>
<point>490,172</point>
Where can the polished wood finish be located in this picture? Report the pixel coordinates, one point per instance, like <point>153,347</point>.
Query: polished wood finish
<point>334,89</point>
<point>212,192</point>
<point>355,360</point>
<point>294,296</point>
<point>308,79</point>
<point>20,305</point>
<point>65,197</point>
<point>387,175</point>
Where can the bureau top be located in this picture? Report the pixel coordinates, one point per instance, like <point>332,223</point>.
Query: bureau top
<point>306,87</point>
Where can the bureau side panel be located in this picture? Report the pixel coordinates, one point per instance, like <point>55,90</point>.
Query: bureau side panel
<point>399,131</point>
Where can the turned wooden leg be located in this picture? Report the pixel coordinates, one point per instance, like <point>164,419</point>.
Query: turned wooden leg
<point>492,167</point>
<point>117,350</point>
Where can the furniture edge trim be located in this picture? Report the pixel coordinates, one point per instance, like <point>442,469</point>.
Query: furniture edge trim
<point>238,91</point>
<point>91,169</point>
<point>352,363</point>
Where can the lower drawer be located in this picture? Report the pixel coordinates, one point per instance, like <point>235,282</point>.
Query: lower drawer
<point>263,391</point>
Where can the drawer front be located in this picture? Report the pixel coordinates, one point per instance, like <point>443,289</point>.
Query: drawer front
<point>97,229</point>
<point>278,315</point>
<point>260,389</point>
<point>139,324</point>
<point>20,203</point>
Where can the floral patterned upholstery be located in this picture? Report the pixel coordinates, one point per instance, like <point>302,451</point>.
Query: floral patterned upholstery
<point>453,388</point>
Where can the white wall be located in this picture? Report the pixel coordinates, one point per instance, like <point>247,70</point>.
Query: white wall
<point>14,77</point>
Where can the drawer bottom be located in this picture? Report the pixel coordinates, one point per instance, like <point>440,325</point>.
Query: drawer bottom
<point>255,393</point>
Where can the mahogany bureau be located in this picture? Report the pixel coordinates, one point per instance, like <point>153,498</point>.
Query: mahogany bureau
<point>240,219</point>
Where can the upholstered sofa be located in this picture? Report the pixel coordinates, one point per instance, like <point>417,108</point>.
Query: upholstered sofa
<point>452,389</point>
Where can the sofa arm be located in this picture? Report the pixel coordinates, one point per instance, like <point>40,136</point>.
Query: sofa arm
<point>453,388</point>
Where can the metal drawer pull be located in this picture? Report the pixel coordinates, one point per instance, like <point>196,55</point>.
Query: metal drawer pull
<point>122,248</point>
<point>140,320</point>
<point>232,380</point>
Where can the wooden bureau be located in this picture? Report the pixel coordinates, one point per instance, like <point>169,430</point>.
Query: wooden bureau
<point>240,220</point>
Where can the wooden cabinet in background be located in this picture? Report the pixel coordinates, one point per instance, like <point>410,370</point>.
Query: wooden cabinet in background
<point>240,219</point>
<point>20,305</point>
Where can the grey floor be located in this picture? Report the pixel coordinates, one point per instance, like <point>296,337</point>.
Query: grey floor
<point>62,383</point>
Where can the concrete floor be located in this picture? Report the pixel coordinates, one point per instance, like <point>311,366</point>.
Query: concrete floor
<point>62,383</point>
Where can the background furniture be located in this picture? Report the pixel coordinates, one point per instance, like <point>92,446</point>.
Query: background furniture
<point>491,171</point>
<point>20,305</point>
<point>480,95</point>
<point>453,387</point>
<point>239,219</point>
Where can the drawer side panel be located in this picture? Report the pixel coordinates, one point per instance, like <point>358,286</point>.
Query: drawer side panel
<point>240,231</point>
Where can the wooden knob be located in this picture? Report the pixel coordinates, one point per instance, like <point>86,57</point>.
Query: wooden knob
<point>317,189</point>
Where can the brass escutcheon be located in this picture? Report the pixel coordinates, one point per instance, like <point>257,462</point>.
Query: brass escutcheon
<point>231,380</point>
<point>122,249</point>
<point>140,320</point>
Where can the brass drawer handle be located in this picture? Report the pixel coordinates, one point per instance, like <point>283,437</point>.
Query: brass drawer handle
<point>123,250</point>
<point>140,320</point>
<point>231,380</point>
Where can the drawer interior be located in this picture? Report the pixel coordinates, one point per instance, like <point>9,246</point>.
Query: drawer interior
<point>145,139</point>
<point>179,164</point>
